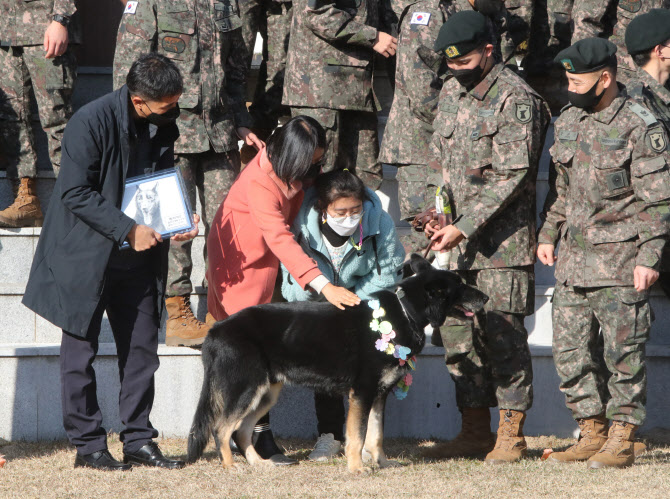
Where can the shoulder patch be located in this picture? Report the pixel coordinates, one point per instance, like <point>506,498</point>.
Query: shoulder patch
<point>648,118</point>
<point>131,7</point>
<point>524,112</point>
<point>567,135</point>
<point>657,140</point>
<point>630,5</point>
<point>421,18</point>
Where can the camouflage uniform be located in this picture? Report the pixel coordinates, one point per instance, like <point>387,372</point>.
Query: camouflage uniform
<point>329,77</point>
<point>609,206</point>
<point>272,19</point>
<point>204,39</point>
<point>410,121</point>
<point>22,28</point>
<point>488,142</point>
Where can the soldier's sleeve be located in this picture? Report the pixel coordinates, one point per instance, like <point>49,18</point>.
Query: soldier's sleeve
<point>515,142</point>
<point>237,72</point>
<point>422,75</point>
<point>64,7</point>
<point>650,177</point>
<point>553,213</point>
<point>589,18</point>
<point>335,25</point>
<point>388,19</point>
<point>137,35</point>
<point>517,18</point>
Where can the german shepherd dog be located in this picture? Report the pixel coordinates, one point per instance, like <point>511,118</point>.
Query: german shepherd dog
<point>249,356</point>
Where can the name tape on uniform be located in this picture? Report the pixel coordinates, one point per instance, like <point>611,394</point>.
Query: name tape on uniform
<point>421,18</point>
<point>131,7</point>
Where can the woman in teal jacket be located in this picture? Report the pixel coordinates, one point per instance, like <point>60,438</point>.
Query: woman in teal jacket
<point>344,228</point>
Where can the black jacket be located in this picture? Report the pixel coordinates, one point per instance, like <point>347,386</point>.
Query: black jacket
<point>84,220</point>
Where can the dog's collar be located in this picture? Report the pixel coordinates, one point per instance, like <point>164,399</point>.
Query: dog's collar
<point>409,310</point>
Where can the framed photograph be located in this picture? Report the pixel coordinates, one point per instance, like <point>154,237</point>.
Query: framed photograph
<point>159,200</point>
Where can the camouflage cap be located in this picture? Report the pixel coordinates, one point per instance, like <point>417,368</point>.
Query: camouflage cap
<point>587,55</point>
<point>648,30</point>
<point>462,33</point>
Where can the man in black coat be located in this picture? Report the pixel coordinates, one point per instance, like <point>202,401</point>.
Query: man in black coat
<point>80,269</point>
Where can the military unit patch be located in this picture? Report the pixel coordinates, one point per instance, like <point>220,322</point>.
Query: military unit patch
<point>657,140</point>
<point>452,51</point>
<point>523,113</point>
<point>567,64</point>
<point>131,7</point>
<point>173,44</point>
<point>630,5</point>
<point>421,18</point>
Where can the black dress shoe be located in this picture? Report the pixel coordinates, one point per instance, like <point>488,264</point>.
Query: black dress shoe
<point>101,460</point>
<point>267,448</point>
<point>151,455</point>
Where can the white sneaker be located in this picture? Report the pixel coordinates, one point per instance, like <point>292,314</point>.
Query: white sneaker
<point>326,448</point>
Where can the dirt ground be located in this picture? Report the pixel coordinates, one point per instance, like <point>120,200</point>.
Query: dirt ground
<point>45,470</point>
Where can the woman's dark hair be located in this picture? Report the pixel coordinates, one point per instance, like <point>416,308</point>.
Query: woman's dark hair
<point>154,77</point>
<point>338,184</point>
<point>291,148</point>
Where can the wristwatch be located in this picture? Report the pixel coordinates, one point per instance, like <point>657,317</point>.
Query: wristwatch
<point>64,20</point>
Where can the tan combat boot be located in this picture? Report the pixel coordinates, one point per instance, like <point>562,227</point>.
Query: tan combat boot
<point>618,451</point>
<point>25,211</point>
<point>210,320</point>
<point>182,328</point>
<point>592,436</point>
<point>475,438</point>
<point>510,444</point>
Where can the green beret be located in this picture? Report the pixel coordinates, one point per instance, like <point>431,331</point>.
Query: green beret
<point>462,33</point>
<point>586,56</point>
<point>648,30</point>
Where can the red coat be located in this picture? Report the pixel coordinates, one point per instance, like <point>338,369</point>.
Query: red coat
<point>249,236</point>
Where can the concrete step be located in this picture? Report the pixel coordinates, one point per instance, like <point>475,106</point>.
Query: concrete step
<point>30,392</point>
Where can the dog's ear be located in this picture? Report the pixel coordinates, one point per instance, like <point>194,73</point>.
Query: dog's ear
<point>419,264</point>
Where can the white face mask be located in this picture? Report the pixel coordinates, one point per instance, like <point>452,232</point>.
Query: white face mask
<point>344,226</point>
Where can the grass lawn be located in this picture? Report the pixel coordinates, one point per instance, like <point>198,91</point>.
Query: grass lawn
<point>45,470</point>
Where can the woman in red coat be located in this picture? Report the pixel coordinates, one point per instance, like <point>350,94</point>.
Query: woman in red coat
<point>251,234</point>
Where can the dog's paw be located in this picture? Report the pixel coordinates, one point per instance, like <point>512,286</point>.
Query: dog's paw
<point>390,464</point>
<point>362,470</point>
<point>234,467</point>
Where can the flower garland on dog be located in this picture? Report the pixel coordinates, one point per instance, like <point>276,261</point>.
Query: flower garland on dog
<point>386,344</point>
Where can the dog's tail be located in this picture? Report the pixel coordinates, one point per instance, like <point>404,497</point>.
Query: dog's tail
<point>201,428</point>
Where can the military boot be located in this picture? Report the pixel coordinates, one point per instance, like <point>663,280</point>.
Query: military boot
<point>510,444</point>
<point>618,451</point>
<point>182,327</point>
<point>592,436</point>
<point>210,320</point>
<point>25,211</point>
<point>475,438</point>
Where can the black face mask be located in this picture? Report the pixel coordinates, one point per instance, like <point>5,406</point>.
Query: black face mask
<point>470,77</point>
<point>167,118</point>
<point>588,100</point>
<point>488,7</point>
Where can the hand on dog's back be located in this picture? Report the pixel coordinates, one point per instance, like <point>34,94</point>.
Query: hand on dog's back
<point>340,296</point>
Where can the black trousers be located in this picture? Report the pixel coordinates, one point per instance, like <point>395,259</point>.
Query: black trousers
<point>329,414</point>
<point>129,298</point>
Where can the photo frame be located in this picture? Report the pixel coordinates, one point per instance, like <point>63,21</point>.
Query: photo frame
<point>160,201</point>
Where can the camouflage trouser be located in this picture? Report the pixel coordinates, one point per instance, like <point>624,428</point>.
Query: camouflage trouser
<point>489,359</point>
<point>351,141</point>
<point>212,174</point>
<point>272,19</point>
<point>52,81</point>
<point>584,361</point>
<point>415,194</point>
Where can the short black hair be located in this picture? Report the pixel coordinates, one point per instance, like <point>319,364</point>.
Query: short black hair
<point>291,147</point>
<point>643,58</point>
<point>338,184</point>
<point>154,77</point>
<point>612,69</point>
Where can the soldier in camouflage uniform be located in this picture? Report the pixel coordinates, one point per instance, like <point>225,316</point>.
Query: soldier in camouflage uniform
<point>272,19</point>
<point>204,39</point>
<point>418,81</point>
<point>609,206</point>
<point>489,131</point>
<point>329,77</point>
<point>35,40</point>
<point>648,42</point>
